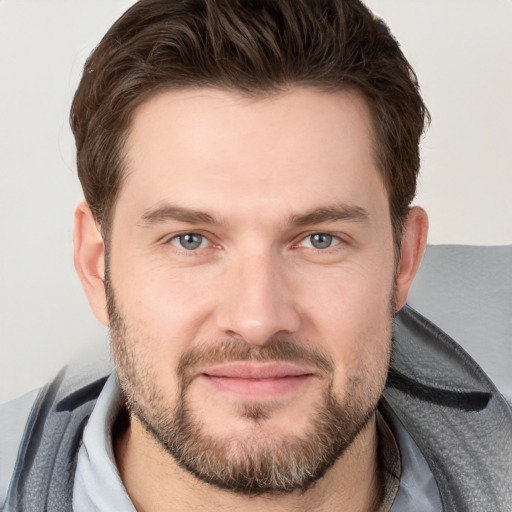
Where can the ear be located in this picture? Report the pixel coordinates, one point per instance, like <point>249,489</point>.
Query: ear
<point>414,240</point>
<point>89,258</point>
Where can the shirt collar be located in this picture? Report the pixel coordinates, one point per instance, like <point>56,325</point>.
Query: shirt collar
<point>408,481</point>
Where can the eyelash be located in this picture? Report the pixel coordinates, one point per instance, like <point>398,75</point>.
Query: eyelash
<point>189,233</point>
<point>334,241</point>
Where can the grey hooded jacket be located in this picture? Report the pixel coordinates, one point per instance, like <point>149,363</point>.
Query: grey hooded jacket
<point>456,416</point>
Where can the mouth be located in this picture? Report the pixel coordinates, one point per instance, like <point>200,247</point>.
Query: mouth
<point>257,380</point>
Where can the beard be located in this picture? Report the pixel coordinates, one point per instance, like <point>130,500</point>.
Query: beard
<point>251,463</point>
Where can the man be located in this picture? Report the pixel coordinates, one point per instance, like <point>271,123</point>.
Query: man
<point>248,169</point>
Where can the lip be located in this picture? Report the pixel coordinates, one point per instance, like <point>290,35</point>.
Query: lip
<point>253,370</point>
<point>257,380</point>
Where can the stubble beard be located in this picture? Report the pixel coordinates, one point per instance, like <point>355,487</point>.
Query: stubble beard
<point>242,464</point>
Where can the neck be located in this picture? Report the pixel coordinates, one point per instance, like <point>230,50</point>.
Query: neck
<point>155,482</point>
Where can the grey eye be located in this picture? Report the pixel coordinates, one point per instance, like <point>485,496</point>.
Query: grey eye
<point>188,241</point>
<point>321,240</point>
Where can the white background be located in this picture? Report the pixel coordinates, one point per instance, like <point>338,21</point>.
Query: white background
<point>459,48</point>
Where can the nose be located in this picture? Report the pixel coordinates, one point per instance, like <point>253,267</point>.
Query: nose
<point>257,302</point>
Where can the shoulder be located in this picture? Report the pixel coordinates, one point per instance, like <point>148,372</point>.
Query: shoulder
<point>46,421</point>
<point>13,419</point>
<point>467,292</point>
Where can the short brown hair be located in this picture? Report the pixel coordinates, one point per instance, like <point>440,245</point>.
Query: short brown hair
<point>254,47</point>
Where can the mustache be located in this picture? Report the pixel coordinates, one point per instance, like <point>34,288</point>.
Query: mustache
<point>277,349</point>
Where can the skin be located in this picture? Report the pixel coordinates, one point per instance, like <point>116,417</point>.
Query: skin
<point>256,166</point>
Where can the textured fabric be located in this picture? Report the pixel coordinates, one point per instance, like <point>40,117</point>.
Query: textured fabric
<point>13,418</point>
<point>446,404</point>
<point>45,468</point>
<point>418,489</point>
<point>390,464</point>
<point>461,423</point>
<point>467,292</point>
<point>98,486</point>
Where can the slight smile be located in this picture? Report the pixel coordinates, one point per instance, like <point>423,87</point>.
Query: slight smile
<point>257,380</point>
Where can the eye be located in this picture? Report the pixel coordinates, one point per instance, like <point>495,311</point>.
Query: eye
<point>320,241</point>
<point>189,241</point>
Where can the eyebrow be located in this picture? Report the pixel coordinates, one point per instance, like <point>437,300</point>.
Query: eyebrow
<point>330,214</point>
<point>171,212</point>
<point>167,212</point>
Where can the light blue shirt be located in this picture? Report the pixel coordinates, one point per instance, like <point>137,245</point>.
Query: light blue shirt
<point>98,486</point>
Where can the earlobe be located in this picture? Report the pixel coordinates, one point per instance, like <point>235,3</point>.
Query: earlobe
<point>89,259</point>
<point>414,240</point>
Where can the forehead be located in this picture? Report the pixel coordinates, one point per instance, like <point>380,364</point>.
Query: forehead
<point>219,149</point>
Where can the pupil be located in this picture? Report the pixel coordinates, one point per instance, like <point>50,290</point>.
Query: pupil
<point>321,240</point>
<point>190,241</point>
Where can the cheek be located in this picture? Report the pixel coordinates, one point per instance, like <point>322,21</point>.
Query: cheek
<point>352,315</point>
<point>349,299</point>
<point>169,305</point>
<point>163,313</point>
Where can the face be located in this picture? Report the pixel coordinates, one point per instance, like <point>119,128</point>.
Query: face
<point>251,282</point>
